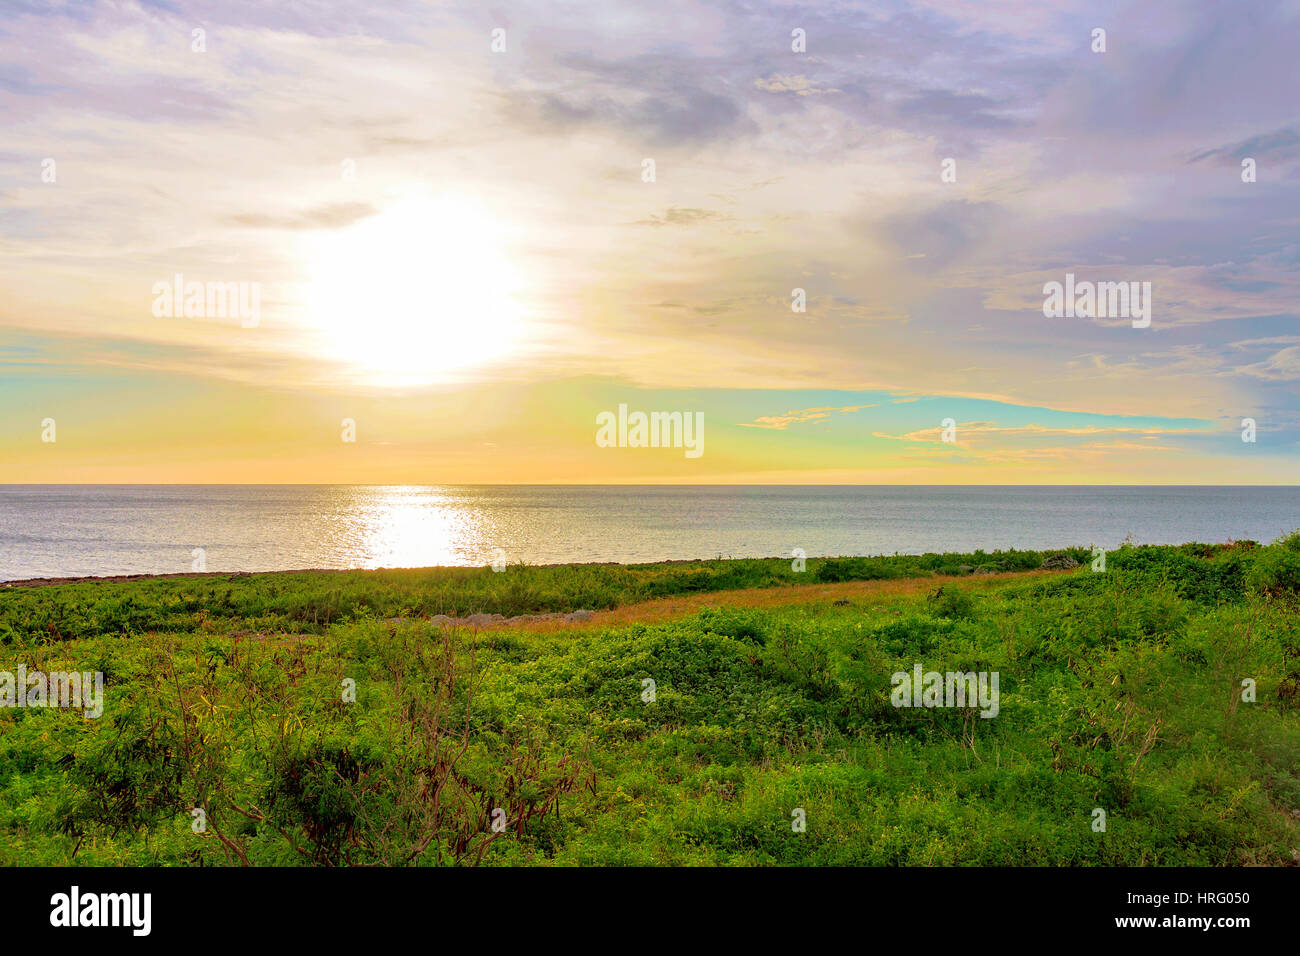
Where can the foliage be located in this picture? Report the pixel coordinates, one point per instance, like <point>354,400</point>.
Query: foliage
<point>1121,690</point>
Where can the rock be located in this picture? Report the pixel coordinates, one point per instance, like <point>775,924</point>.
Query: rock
<point>583,615</point>
<point>985,569</point>
<point>1058,562</point>
<point>964,569</point>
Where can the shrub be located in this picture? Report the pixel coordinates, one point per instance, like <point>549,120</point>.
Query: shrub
<point>1275,571</point>
<point>834,570</point>
<point>951,602</point>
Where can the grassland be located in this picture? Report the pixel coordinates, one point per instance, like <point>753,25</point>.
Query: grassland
<point>232,694</point>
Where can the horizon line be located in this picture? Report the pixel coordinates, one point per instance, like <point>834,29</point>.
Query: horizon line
<point>616,484</point>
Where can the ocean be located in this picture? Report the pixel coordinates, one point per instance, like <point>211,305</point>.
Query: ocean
<point>85,530</point>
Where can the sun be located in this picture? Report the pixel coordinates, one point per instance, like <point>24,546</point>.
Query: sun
<point>418,294</point>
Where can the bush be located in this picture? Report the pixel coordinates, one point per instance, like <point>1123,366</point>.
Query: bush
<point>1275,571</point>
<point>835,570</point>
<point>951,602</point>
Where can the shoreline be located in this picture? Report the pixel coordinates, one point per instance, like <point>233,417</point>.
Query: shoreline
<point>167,575</point>
<point>670,562</point>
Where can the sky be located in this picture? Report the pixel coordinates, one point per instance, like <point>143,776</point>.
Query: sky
<point>464,231</point>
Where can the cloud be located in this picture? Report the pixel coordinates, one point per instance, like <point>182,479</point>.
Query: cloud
<point>961,110</point>
<point>991,429</point>
<point>942,235</point>
<point>1109,166</point>
<point>792,83</point>
<point>331,216</point>
<point>657,110</point>
<point>1280,145</point>
<point>685,217</point>
<point>817,416</point>
<point>1281,366</point>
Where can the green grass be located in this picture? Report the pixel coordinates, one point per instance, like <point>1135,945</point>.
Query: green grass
<point>1119,690</point>
<point>311,601</point>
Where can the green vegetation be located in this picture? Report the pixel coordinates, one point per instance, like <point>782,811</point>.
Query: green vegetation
<point>1119,690</point>
<point>308,602</point>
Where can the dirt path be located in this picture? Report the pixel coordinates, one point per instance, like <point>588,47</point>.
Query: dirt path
<point>679,605</point>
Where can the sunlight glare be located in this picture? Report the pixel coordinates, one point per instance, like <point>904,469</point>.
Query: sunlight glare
<point>418,293</point>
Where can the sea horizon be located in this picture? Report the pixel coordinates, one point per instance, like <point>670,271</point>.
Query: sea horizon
<point>84,530</point>
<point>622,484</point>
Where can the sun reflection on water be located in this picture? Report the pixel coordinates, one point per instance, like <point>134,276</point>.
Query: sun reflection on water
<point>409,528</point>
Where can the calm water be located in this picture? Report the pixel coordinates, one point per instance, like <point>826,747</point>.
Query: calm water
<point>69,530</point>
